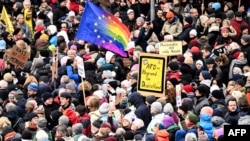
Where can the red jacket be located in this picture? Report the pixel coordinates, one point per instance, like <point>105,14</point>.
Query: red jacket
<point>74,6</point>
<point>85,121</point>
<point>70,113</point>
<point>236,25</point>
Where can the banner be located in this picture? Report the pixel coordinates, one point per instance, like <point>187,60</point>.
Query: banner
<point>170,48</point>
<point>152,72</point>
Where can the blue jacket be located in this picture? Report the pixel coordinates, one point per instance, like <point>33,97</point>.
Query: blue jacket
<point>72,75</point>
<point>206,124</point>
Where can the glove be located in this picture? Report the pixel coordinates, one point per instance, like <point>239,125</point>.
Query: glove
<point>181,117</point>
<point>69,62</point>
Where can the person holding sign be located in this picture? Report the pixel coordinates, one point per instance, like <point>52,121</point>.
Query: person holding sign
<point>71,67</point>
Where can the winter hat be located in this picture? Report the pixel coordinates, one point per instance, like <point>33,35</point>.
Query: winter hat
<point>7,77</point>
<point>130,11</point>
<point>207,110</point>
<point>199,62</point>
<point>42,122</point>
<point>99,94</point>
<point>170,15</point>
<point>189,102</point>
<point>180,58</point>
<point>140,19</point>
<point>106,125</point>
<point>218,112</point>
<point>150,99</point>
<point>217,94</point>
<point>108,56</point>
<point>180,135</point>
<point>195,50</point>
<point>173,65</point>
<point>206,75</point>
<point>157,107</point>
<point>216,6</point>
<point>214,87</point>
<point>108,74</point>
<point>190,137</point>
<point>224,30</point>
<point>32,115</point>
<point>193,32</point>
<point>168,108</point>
<point>168,121</point>
<point>46,96</point>
<point>71,86</point>
<point>63,120</point>
<point>194,42</point>
<point>104,108</point>
<point>71,14</point>
<point>150,49</point>
<point>217,121</point>
<point>189,20</point>
<point>236,55</point>
<point>135,67</point>
<point>246,38</point>
<point>33,86</point>
<point>193,118</point>
<point>229,5</point>
<point>188,88</point>
<point>130,117</point>
<point>10,107</point>
<point>139,123</point>
<point>18,94</point>
<point>39,28</point>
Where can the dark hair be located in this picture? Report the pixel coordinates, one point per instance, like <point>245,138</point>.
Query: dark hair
<point>81,109</point>
<point>231,99</point>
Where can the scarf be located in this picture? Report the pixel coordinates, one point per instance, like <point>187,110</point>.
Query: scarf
<point>9,136</point>
<point>190,124</point>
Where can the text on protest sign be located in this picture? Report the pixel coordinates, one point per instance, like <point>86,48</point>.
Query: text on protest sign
<point>170,48</point>
<point>152,74</point>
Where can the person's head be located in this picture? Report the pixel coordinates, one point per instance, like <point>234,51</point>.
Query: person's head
<point>95,126</point>
<point>224,32</point>
<point>243,104</point>
<point>156,108</point>
<point>232,104</point>
<point>20,19</point>
<point>64,26</point>
<point>26,4</point>
<point>238,16</point>
<point>93,103</point>
<point>77,128</point>
<point>32,89</point>
<point>159,13</point>
<point>137,124</point>
<point>81,110</point>
<point>63,3</point>
<point>47,98</point>
<point>194,12</point>
<point>133,78</point>
<point>131,14</point>
<point>140,21</point>
<point>61,131</point>
<point>170,16</point>
<point>245,40</point>
<point>65,99</point>
<point>18,33</point>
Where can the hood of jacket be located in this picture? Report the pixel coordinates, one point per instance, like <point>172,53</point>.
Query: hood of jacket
<point>136,99</point>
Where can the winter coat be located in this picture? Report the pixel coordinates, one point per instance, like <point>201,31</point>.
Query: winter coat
<point>174,28</point>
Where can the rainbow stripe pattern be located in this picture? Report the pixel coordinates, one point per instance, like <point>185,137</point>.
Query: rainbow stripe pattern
<point>100,27</point>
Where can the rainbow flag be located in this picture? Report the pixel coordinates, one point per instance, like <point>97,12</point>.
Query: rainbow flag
<point>100,27</point>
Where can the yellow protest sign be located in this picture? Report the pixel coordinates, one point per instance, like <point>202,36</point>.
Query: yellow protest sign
<point>151,79</point>
<point>170,48</point>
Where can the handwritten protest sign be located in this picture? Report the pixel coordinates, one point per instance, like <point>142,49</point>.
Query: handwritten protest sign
<point>151,79</point>
<point>178,95</point>
<point>170,48</point>
<point>18,55</point>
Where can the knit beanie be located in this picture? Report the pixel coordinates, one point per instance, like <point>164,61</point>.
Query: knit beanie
<point>193,118</point>
<point>189,20</point>
<point>217,94</point>
<point>46,96</point>
<point>168,121</point>
<point>174,81</point>
<point>207,110</point>
<point>104,108</point>
<point>206,75</point>
<point>33,86</point>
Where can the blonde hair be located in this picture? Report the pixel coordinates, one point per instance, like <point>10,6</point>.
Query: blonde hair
<point>4,121</point>
<point>30,79</point>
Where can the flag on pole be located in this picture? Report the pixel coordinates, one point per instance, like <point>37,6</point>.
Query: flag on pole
<point>6,19</point>
<point>100,27</point>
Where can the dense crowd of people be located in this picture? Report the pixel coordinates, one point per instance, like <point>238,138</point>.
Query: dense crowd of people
<point>47,100</point>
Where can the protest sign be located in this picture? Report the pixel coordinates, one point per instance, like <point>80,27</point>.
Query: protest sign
<point>80,68</point>
<point>178,95</point>
<point>170,48</point>
<point>18,55</point>
<point>152,72</point>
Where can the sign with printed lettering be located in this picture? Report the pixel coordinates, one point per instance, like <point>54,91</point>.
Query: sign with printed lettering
<point>170,48</point>
<point>18,55</point>
<point>152,74</point>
